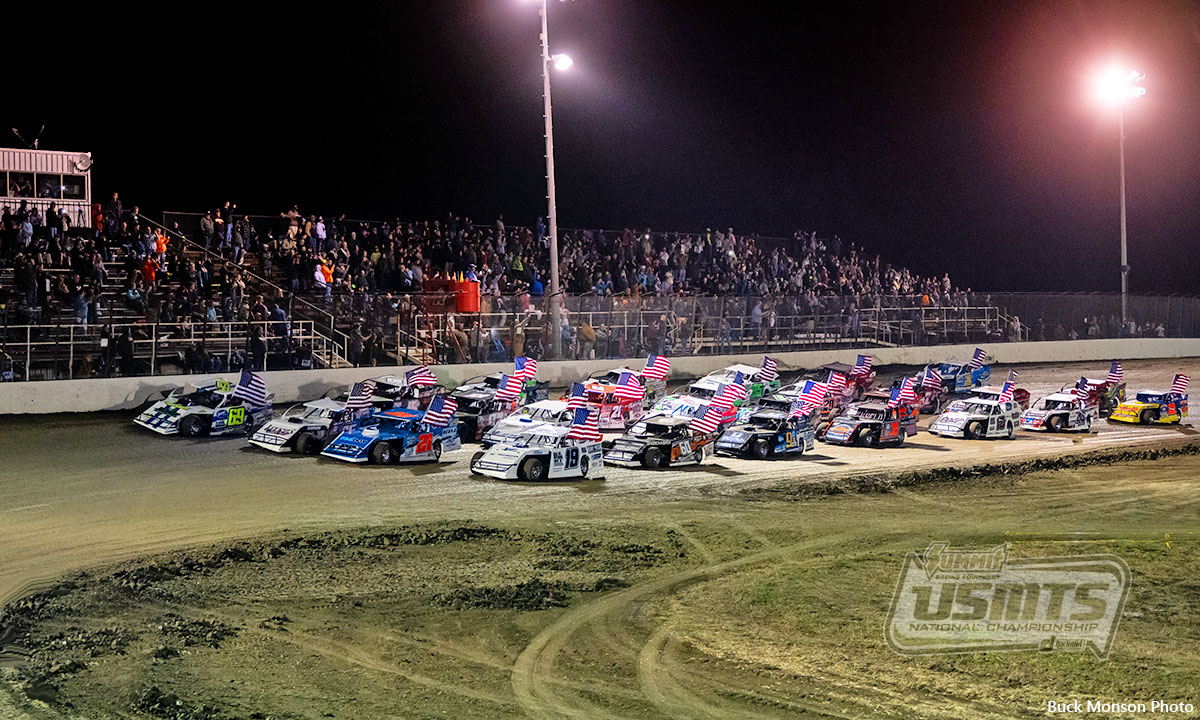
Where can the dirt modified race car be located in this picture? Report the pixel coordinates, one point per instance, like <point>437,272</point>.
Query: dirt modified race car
<point>1061,411</point>
<point>1155,407</point>
<point>1107,392</point>
<point>960,377</point>
<point>993,392</point>
<point>661,442</point>
<point>517,425</point>
<point>305,428</point>
<point>974,418</point>
<point>856,383</point>
<point>389,436</point>
<point>209,407</point>
<point>479,408</point>
<point>617,410</point>
<point>708,386</point>
<point>871,424</point>
<point>768,433</point>
<point>541,452</point>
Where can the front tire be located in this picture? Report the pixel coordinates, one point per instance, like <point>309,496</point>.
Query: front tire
<point>305,442</point>
<point>759,449</point>
<point>475,461</point>
<point>1055,423</point>
<point>868,438</point>
<point>192,426</point>
<point>437,451</point>
<point>533,470</point>
<point>382,454</point>
<point>974,430</point>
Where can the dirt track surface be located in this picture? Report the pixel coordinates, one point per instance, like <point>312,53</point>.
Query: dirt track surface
<point>77,491</point>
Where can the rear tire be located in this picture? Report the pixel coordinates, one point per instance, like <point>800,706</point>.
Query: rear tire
<point>585,464</point>
<point>533,470</point>
<point>382,454</point>
<point>192,426</point>
<point>652,458</point>
<point>1010,430</point>
<point>759,449</point>
<point>821,428</point>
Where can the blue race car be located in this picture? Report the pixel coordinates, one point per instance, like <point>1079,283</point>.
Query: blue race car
<point>768,433</point>
<point>961,377</point>
<point>398,435</point>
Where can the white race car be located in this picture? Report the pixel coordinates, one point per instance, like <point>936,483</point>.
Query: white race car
<point>513,427</point>
<point>974,418</point>
<point>1061,411</point>
<point>305,428</point>
<point>208,407</point>
<point>543,452</point>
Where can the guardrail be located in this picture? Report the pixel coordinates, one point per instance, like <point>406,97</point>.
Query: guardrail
<point>64,351</point>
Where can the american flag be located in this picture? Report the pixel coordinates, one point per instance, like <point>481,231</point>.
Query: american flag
<point>1006,392</point>
<point>1180,383</point>
<point>585,425</point>
<point>904,394</point>
<point>628,388</point>
<point>420,376</point>
<point>707,420</point>
<point>578,397</point>
<point>799,408</point>
<point>440,411</point>
<point>360,395</point>
<point>657,368</point>
<point>863,366</point>
<point>526,368</point>
<point>837,383</point>
<point>978,359</point>
<point>251,388</point>
<point>510,387</point>
<point>932,379</point>
<point>769,370</point>
<point>731,394</point>
<point>1083,390</point>
<point>1116,372</point>
<point>1012,376</point>
<point>813,393</point>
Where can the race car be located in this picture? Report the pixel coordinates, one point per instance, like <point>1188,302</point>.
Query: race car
<point>617,412</point>
<point>661,442</point>
<point>1107,392</point>
<point>388,436</point>
<point>478,408</point>
<point>687,406</point>
<point>974,418</point>
<point>208,407</point>
<point>872,423</point>
<point>1061,411</point>
<point>992,392</point>
<point>655,388</point>
<point>768,433</point>
<point>517,425</point>
<point>830,407</point>
<point>1155,407</point>
<point>708,386</point>
<point>930,397</point>
<point>400,391</point>
<point>856,383</point>
<point>961,377</point>
<point>305,428</point>
<point>541,452</point>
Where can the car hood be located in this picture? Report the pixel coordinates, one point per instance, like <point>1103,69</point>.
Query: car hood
<point>954,419</point>
<point>164,412</point>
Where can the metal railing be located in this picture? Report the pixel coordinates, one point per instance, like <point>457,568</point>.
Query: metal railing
<point>66,351</point>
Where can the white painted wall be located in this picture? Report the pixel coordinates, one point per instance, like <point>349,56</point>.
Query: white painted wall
<point>289,386</point>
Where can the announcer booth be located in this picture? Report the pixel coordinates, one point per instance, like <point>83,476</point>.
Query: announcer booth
<point>40,178</point>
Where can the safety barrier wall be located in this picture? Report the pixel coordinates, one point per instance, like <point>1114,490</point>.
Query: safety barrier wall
<point>289,386</point>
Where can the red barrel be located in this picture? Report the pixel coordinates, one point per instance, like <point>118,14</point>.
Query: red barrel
<point>467,297</point>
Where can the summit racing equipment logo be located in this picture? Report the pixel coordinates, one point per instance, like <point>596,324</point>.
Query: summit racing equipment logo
<point>958,601</point>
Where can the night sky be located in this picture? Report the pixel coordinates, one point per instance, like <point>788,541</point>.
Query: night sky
<point>952,137</point>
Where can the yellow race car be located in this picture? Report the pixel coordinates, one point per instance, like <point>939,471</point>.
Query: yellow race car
<point>1155,407</point>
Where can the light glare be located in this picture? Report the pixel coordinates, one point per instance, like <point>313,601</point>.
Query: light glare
<point>1115,85</point>
<point>562,62</point>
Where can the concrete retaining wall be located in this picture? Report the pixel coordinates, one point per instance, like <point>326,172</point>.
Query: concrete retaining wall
<point>56,396</point>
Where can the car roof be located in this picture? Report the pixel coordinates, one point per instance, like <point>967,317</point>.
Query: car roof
<point>668,420</point>
<point>979,400</point>
<point>837,367</point>
<point>872,406</point>
<point>738,368</point>
<point>403,414</point>
<point>769,414</point>
<point>552,405</point>
<point>1070,397</point>
<point>326,404</point>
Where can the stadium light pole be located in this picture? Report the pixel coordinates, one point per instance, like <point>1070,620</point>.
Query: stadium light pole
<point>560,62</point>
<point>1119,86</point>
